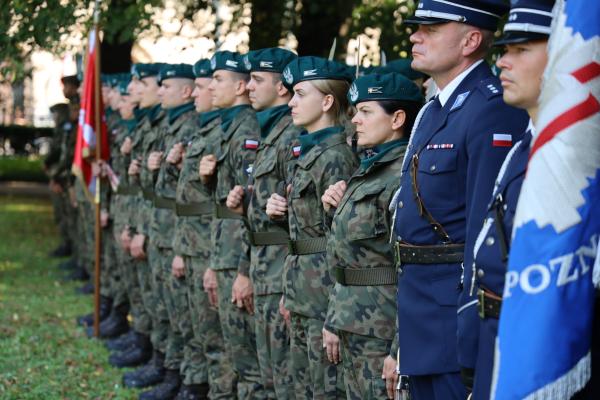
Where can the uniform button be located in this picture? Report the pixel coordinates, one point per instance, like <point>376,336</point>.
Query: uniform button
<point>505,207</point>
<point>490,241</point>
<point>480,273</point>
<point>401,204</point>
<point>432,168</point>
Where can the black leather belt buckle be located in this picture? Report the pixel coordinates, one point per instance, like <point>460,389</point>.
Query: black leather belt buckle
<point>487,305</point>
<point>481,303</point>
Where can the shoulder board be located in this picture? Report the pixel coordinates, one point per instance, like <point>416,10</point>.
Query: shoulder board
<point>490,88</point>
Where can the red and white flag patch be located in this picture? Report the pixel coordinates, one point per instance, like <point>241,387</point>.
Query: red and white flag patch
<point>251,144</point>
<point>296,151</point>
<point>502,140</point>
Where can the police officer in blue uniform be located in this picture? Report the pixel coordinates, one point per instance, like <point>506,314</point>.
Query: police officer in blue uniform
<point>525,40</point>
<point>460,139</point>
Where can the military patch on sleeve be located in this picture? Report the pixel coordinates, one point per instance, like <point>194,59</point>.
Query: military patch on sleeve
<point>296,151</point>
<point>502,140</point>
<point>250,144</point>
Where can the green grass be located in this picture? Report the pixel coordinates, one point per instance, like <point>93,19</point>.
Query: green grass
<point>43,355</point>
<point>21,169</point>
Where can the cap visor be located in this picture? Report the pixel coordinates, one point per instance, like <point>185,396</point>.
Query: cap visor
<point>520,37</point>
<point>414,20</point>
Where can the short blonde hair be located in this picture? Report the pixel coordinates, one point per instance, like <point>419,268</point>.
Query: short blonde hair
<point>340,110</point>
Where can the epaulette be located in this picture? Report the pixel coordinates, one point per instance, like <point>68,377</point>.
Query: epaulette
<point>490,88</point>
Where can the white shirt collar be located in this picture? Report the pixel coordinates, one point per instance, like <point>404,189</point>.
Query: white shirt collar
<point>445,94</point>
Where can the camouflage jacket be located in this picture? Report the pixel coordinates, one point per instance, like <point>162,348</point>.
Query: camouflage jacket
<point>62,170</point>
<point>230,240</point>
<point>308,278</point>
<point>359,238</point>
<point>120,203</point>
<point>270,174</point>
<point>181,130</point>
<point>192,233</point>
<point>147,140</point>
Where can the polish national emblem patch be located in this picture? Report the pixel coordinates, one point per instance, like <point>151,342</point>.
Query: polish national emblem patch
<point>287,75</point>
<point>353,92</point>
<point>247,63</point>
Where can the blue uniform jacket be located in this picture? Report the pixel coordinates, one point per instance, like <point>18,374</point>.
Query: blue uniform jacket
<point>458,163</point>
<point>489,263</point>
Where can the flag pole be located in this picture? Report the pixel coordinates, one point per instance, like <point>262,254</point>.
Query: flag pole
<point>98,129</point>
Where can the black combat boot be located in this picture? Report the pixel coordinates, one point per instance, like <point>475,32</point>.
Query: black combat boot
<point>86,289</point>
<point>193,392</point>
<point>63,250</point>
<point>78,274</point>
<point>68,265</point>
<point>122,342</point>
<point>105,307</point>
<point>116,324</point>
<point>139,353</point>
<point>150,374</point>
<point>166,390</point>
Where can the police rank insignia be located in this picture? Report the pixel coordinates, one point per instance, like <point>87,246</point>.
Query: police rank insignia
<point>250,144</point>
<point>353,92</point>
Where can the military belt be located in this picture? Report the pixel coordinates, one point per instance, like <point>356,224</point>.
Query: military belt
<point>436,254</point>
<point>164,203</point>
<point>376,276</point>
<point>269,238</point>
<point>127,190</point>
<point>189,210</point>
<point>489,304</point>
<point>222,212</point>
<point>307,246</point>
<point>148,194</point>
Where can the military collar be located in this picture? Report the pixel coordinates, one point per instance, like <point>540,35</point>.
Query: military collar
<point>329,137</point>
<point>176,112</point>
<point>140,113</point>
<point>206,117</point>
<point>181,119</point>
<point>155,113</point>
<point>229,114</point>
<point>278,129</point>
<point>129,124</point>
<point>267,119</point>
<point>381,154</point>
<point>310,140</point>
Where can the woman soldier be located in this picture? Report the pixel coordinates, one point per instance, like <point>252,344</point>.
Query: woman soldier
<point>360,324</point>
<point>319,105</point>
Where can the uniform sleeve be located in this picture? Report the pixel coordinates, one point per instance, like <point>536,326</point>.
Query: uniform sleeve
<point>338,167</point>
<point>484,160</point>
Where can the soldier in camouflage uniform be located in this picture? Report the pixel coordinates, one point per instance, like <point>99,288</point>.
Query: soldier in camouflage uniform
<point>320,106</point>
<point>137,347</point>
<point>150,120</point>
<point>175,92</point>
<point>361,314</point>
<point>269,239</point>
<point>206,363</point>
<point>230,239</point>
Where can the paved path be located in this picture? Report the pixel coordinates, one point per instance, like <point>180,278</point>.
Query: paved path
<point>24,188</point>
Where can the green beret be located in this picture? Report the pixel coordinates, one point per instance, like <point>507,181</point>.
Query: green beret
<point>142,71</point>
<point>401,66</point>
<point>392,86</point>
<point>202,69</point>
<point>123,84</point>
<point>313,68</point>
<point>113,80</point>
<point>104,78</point>
<point>229,61</point>
<point>169,71</point>
<point>272,59</point>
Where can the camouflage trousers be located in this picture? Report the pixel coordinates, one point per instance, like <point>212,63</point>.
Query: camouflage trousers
<point>205,359</point>
<point>110,276</point>
<point>85,234</point>
<point>314,376</point>
<point>238,333</point>
<point>273,347</point>
<point>61,205</point>
<point>129,288</point>
<point>362,359</point>
<point>158,259</point>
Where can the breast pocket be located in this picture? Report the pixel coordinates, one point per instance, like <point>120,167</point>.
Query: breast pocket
<point>306,207</point>
<point>265,165</point>
<point>438,178</point>
<point>366,216</point>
